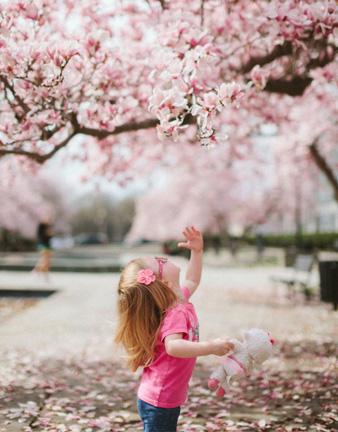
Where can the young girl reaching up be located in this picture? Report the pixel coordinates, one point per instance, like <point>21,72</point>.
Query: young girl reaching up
<point>158,328</point>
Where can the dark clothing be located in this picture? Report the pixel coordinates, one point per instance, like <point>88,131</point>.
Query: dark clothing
<point>43,234</point>
<point>156,419</point>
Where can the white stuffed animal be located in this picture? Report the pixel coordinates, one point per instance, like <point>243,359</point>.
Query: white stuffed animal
<point>257,346</point>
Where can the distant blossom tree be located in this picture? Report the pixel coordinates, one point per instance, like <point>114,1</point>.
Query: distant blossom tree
<point>26,199</point>
<point>100,69</point>
<point>206,189</point>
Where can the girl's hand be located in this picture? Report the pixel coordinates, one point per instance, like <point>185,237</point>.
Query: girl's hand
<point>194,239</point>
<point>221,347</point>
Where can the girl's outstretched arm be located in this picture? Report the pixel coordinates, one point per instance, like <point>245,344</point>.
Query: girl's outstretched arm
<point>194,242</point>
<point>178,347</point>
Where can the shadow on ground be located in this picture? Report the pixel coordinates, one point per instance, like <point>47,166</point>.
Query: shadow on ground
<point>89,396</point>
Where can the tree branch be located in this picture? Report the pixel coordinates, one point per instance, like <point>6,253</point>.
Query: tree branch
<point>162,3</point>
<point>297,84</point>
<point>293,87</point>
<point>78,129</point>
<point>97,133</point>
<point>202,13</point>
<point>37,157</point>
<point>278,51</point>
<point>127,127</point>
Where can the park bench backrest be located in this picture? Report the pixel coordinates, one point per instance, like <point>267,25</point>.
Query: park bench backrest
<point>304,263</point>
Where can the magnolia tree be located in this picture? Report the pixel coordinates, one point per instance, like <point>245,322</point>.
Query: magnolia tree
<point>102,70</point>
<point>26,199</point>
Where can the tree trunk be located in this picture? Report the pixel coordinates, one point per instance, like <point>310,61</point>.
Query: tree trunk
<point>325,168</point>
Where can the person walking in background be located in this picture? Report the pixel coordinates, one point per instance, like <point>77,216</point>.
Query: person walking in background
<point>159,330</point>
<point>44,235</point>
<point>260,246</point>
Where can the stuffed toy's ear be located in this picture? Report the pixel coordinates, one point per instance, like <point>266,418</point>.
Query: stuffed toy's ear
<point>272,339</point>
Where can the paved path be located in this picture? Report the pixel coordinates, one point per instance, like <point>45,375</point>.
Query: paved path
<point>81,317</point>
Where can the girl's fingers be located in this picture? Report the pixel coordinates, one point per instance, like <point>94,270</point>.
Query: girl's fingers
<point>193,230</point>
<point>190,232</point>
<point>196,231</point>
<point>187,234</point>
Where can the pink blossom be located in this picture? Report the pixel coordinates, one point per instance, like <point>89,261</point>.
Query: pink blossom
<point>259,77</point>
<point>210,100</point>
<point>161,65</point>
<point>230,92</point>
<point>32,11</point>
<point>162,99</point>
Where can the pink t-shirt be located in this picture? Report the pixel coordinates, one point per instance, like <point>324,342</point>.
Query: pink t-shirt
<point>165,381</point>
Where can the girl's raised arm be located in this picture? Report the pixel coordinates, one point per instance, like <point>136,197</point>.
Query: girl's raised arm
<point>194,242</point>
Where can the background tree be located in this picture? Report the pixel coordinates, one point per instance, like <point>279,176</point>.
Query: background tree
<point>26,199</point>
<point>101,213</point>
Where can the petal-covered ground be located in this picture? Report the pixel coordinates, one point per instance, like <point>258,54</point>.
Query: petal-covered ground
<point>296,391</point>
<point>12,306</point>
<point>61,372</point>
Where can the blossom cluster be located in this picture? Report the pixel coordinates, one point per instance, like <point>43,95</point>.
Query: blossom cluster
<point>93,68</point>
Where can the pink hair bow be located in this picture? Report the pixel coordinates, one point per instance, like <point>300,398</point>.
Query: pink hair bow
<point>146,276</point>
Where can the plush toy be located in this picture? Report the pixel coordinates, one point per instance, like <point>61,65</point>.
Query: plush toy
<point>256,347</point>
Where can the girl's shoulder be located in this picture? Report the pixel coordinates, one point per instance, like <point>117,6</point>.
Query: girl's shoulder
<point>178,308</point>
<point>181,306</point>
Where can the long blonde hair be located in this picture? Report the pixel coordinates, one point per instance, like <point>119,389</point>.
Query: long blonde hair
<point>141,309</point>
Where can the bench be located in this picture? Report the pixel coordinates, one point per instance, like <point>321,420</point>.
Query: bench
<point>300,278</point>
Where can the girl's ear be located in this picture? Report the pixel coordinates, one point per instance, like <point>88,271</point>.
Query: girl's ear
<point>168,283</point>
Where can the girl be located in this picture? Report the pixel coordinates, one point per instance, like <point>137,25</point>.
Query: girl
<point>158,327</point>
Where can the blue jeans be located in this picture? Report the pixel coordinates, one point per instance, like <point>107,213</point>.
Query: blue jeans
<point>156,419</point>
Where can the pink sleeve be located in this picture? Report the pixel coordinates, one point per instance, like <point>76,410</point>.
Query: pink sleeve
<point>174,322</point>
<point>186,292</point>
